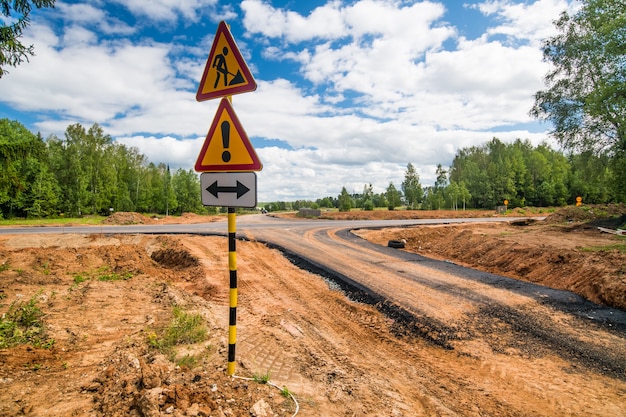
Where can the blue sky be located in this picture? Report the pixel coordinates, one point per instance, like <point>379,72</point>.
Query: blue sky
<point>349,92</point>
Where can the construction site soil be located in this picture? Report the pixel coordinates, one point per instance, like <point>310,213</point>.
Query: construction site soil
<point>304,348</point>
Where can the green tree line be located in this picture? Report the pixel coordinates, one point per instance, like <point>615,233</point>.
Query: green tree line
<point>86,172</point>
<point>483,177</point>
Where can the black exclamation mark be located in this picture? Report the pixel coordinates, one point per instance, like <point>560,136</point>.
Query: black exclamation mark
<point>225,140</point>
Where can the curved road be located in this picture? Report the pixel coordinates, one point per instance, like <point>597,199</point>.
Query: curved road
<point>448,305</point>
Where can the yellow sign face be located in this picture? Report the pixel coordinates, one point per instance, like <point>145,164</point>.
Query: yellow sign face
<point>226,72</point>
<point>227,147</point>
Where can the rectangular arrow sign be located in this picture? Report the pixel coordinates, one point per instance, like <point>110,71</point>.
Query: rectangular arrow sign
<point>228,189</point>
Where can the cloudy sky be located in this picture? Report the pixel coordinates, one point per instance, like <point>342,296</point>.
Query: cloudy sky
<point>349,92</point>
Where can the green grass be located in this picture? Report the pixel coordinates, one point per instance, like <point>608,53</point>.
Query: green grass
<point>88,220</point>
<point>620,247</point>
<point>286,393</point>
<point>23,324</point>
<point>101,274</point>
<point>187,361</point>
<point>78,278</point>
<point>184,328</point>
<point>114,276</point>
<point>261,378</point>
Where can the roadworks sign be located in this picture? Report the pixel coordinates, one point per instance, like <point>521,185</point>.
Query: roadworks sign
<point>225,72</point>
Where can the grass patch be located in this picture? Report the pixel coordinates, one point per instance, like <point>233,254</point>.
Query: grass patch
<point>114,276</point>
<point>261,378</point>
<point>23,324</point>
<point>78,278</point>
<point>88,220</point>
<point>187,361</point>
<point>286,393</point>
<point>101,274</point>
<point>620,247</point>
<point>184,328</point>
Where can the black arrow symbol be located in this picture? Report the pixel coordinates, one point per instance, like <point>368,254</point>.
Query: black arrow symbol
<point>240,189</point>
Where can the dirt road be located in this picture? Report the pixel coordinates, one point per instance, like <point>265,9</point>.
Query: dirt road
<point>438,342</point>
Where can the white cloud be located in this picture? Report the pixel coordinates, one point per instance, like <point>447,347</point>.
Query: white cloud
<point>324,22</point>
<point>521,21</point>
<point>87,14</point>
<point>168,10</point>
<point>80,77</point>
<point>178,153</point>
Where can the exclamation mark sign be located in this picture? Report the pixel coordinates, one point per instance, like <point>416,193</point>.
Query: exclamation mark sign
<point>225,140</point>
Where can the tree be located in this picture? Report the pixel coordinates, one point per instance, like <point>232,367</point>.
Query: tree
<point>464,194</point>
<point>411,187</point>
<point>12,52</point>
<point>345,200</point>
<point>20,150</point>
<point>393,196</point>
<point>367,201</point>
<point>438,194</point>
<point>186,186</point>
<point>453,192</point>
<point>585,97</point>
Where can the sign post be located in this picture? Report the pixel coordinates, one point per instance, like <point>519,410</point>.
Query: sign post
<point>227,159</point>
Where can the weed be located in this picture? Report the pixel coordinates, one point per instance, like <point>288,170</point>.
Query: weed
<point>261,379</point>
<point>620,247</point>
<point>286,393</point>
<point>5,266</point>
<point>183,328</point>
<point>114,276</point>
<point>187,361</point>
<point>46,268</point>
<point>78,278</point>
<point>22,324</point>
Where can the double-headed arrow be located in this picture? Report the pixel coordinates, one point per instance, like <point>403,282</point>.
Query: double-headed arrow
<point>240,189</point>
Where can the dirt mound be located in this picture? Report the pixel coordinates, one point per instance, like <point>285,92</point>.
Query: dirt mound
<point>175,258</point>
<point>122,218</point>
<point>606,215</point>
<point>571,257</point>
<point>154,386</point>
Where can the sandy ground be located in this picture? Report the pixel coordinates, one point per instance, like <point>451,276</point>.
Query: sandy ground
<point>337,357</point>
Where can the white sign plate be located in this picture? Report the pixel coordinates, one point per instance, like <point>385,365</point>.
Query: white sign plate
<point>228,189</point>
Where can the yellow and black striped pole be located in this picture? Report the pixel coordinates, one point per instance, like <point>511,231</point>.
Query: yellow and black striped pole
<point>232,267</point>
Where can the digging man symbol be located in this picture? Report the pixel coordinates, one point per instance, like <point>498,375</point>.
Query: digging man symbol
<point>219,63</point>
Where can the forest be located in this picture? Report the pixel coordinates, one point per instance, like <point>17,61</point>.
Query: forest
<point>87,173</point>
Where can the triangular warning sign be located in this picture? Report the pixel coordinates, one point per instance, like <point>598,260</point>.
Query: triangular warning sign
<point>226,72</point>
<point>227,147</point>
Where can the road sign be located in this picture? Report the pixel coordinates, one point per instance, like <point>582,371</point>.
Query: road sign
<point>225,72</point>
<point>228,189</point>
<point>227,147</point>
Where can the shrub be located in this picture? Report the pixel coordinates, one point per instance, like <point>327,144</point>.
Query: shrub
<point>23,324</point>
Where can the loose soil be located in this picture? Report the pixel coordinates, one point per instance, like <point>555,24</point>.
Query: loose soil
<point>106,297</point>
